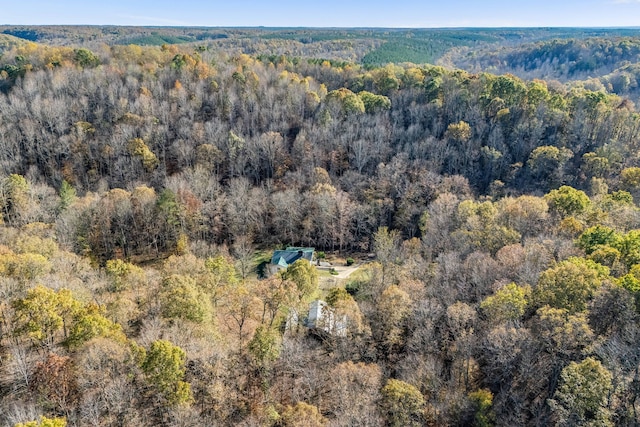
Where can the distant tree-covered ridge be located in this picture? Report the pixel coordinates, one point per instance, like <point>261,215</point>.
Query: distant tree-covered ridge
<point>608,63</point>
<point>368,46</point>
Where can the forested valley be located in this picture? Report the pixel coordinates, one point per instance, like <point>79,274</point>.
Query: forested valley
<point>143,189</point>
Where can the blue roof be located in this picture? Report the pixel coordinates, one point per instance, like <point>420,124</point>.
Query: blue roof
<point>290,255</point>
<point>281,262</point>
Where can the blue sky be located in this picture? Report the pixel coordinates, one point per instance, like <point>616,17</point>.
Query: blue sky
<point>327,13</point>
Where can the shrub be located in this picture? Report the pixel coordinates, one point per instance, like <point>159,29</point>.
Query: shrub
<point>353,287</point>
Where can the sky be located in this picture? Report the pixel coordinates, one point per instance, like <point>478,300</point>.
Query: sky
<point>326,13</point>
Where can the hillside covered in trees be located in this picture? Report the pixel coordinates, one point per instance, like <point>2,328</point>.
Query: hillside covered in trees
<point>604,63</point>
<point>141,185</point>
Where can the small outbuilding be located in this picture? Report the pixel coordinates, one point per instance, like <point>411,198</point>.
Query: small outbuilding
<point>322,316</point>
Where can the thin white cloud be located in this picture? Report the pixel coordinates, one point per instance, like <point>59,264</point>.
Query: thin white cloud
<point>624,1</point>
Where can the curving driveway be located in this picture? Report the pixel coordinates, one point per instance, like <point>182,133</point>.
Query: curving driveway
<point>343,271</point>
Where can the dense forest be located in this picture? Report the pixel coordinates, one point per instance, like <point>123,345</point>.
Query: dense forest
<point>604,63</point>
<point>143,187</point>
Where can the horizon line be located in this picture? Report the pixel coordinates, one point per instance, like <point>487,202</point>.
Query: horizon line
<point>537,27</point>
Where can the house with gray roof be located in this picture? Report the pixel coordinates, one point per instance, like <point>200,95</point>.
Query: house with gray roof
<point>282,259</point>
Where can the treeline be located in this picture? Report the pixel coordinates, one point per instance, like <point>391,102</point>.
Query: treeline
<point>603,63</point>
<point>624,81</point>
<point>568,59</point>
<point>426,46</point>
<point>373,47</point>
<point>137,184</point>
<point>8,42</point>
<point>91,34</point>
